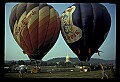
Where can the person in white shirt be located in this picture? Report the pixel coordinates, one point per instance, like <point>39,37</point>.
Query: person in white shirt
<point>22,70</point>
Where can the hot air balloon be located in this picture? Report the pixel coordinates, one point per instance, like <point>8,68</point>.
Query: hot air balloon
<point>35,27</point>
<point>84,27</point>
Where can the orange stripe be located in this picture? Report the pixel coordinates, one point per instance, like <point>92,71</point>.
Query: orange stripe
<point>50,31</point>
<point>33,34</point>
<point>42,30</point>
<point>56,34</point>
<point>52,26</point>
<point>41,34</point>
<point>23,45</point>
<point>33,38</point>
<point>26,38</point>
<point>33,25</point>
<point>43,21</point>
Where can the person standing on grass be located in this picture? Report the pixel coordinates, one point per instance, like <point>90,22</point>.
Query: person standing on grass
<point>103,72</point>
<point>22,70</point>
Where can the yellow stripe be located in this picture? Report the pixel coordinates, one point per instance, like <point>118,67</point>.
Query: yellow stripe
<point>20,26</point>
<point>44,21</point>
<point>52,12</point>
<point>14,32</point>
<point>32,16</point>
<point>53,15</point>
<point>43,13</point>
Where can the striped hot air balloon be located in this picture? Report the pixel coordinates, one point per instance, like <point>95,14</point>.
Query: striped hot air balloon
<point>35,27</point>
<point>84,27</point>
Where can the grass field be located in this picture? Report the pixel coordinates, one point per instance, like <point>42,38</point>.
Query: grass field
<point>61,73</point>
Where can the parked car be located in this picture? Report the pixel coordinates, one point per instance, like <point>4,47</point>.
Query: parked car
<point>7,69</point>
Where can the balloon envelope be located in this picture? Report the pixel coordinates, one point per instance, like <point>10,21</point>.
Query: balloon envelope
<point>84,27</point>
<point>35,27</point>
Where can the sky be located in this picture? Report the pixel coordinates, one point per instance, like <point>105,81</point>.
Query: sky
<point>60,49</point>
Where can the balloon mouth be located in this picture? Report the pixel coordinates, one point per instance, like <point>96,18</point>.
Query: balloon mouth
<point>35,56</point>
<point>84,58</point>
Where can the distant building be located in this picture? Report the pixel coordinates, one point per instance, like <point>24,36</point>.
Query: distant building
<point>67,58</point>
<point>68,63</point>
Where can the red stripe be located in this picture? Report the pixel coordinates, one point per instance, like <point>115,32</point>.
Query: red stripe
<point>78,51</point>
<point>57,30</point>
<point>33,38</point>
<point>51,28</point>
<point>50,32</point>
<point>89,51</point>
<point>56,34</point>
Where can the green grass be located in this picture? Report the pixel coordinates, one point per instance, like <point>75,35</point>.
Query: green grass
<point>55,72</point>
<point>92,74</point>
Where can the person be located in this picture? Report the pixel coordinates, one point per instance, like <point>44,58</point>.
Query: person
<point>103,72</point>
<point>21,71</point>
